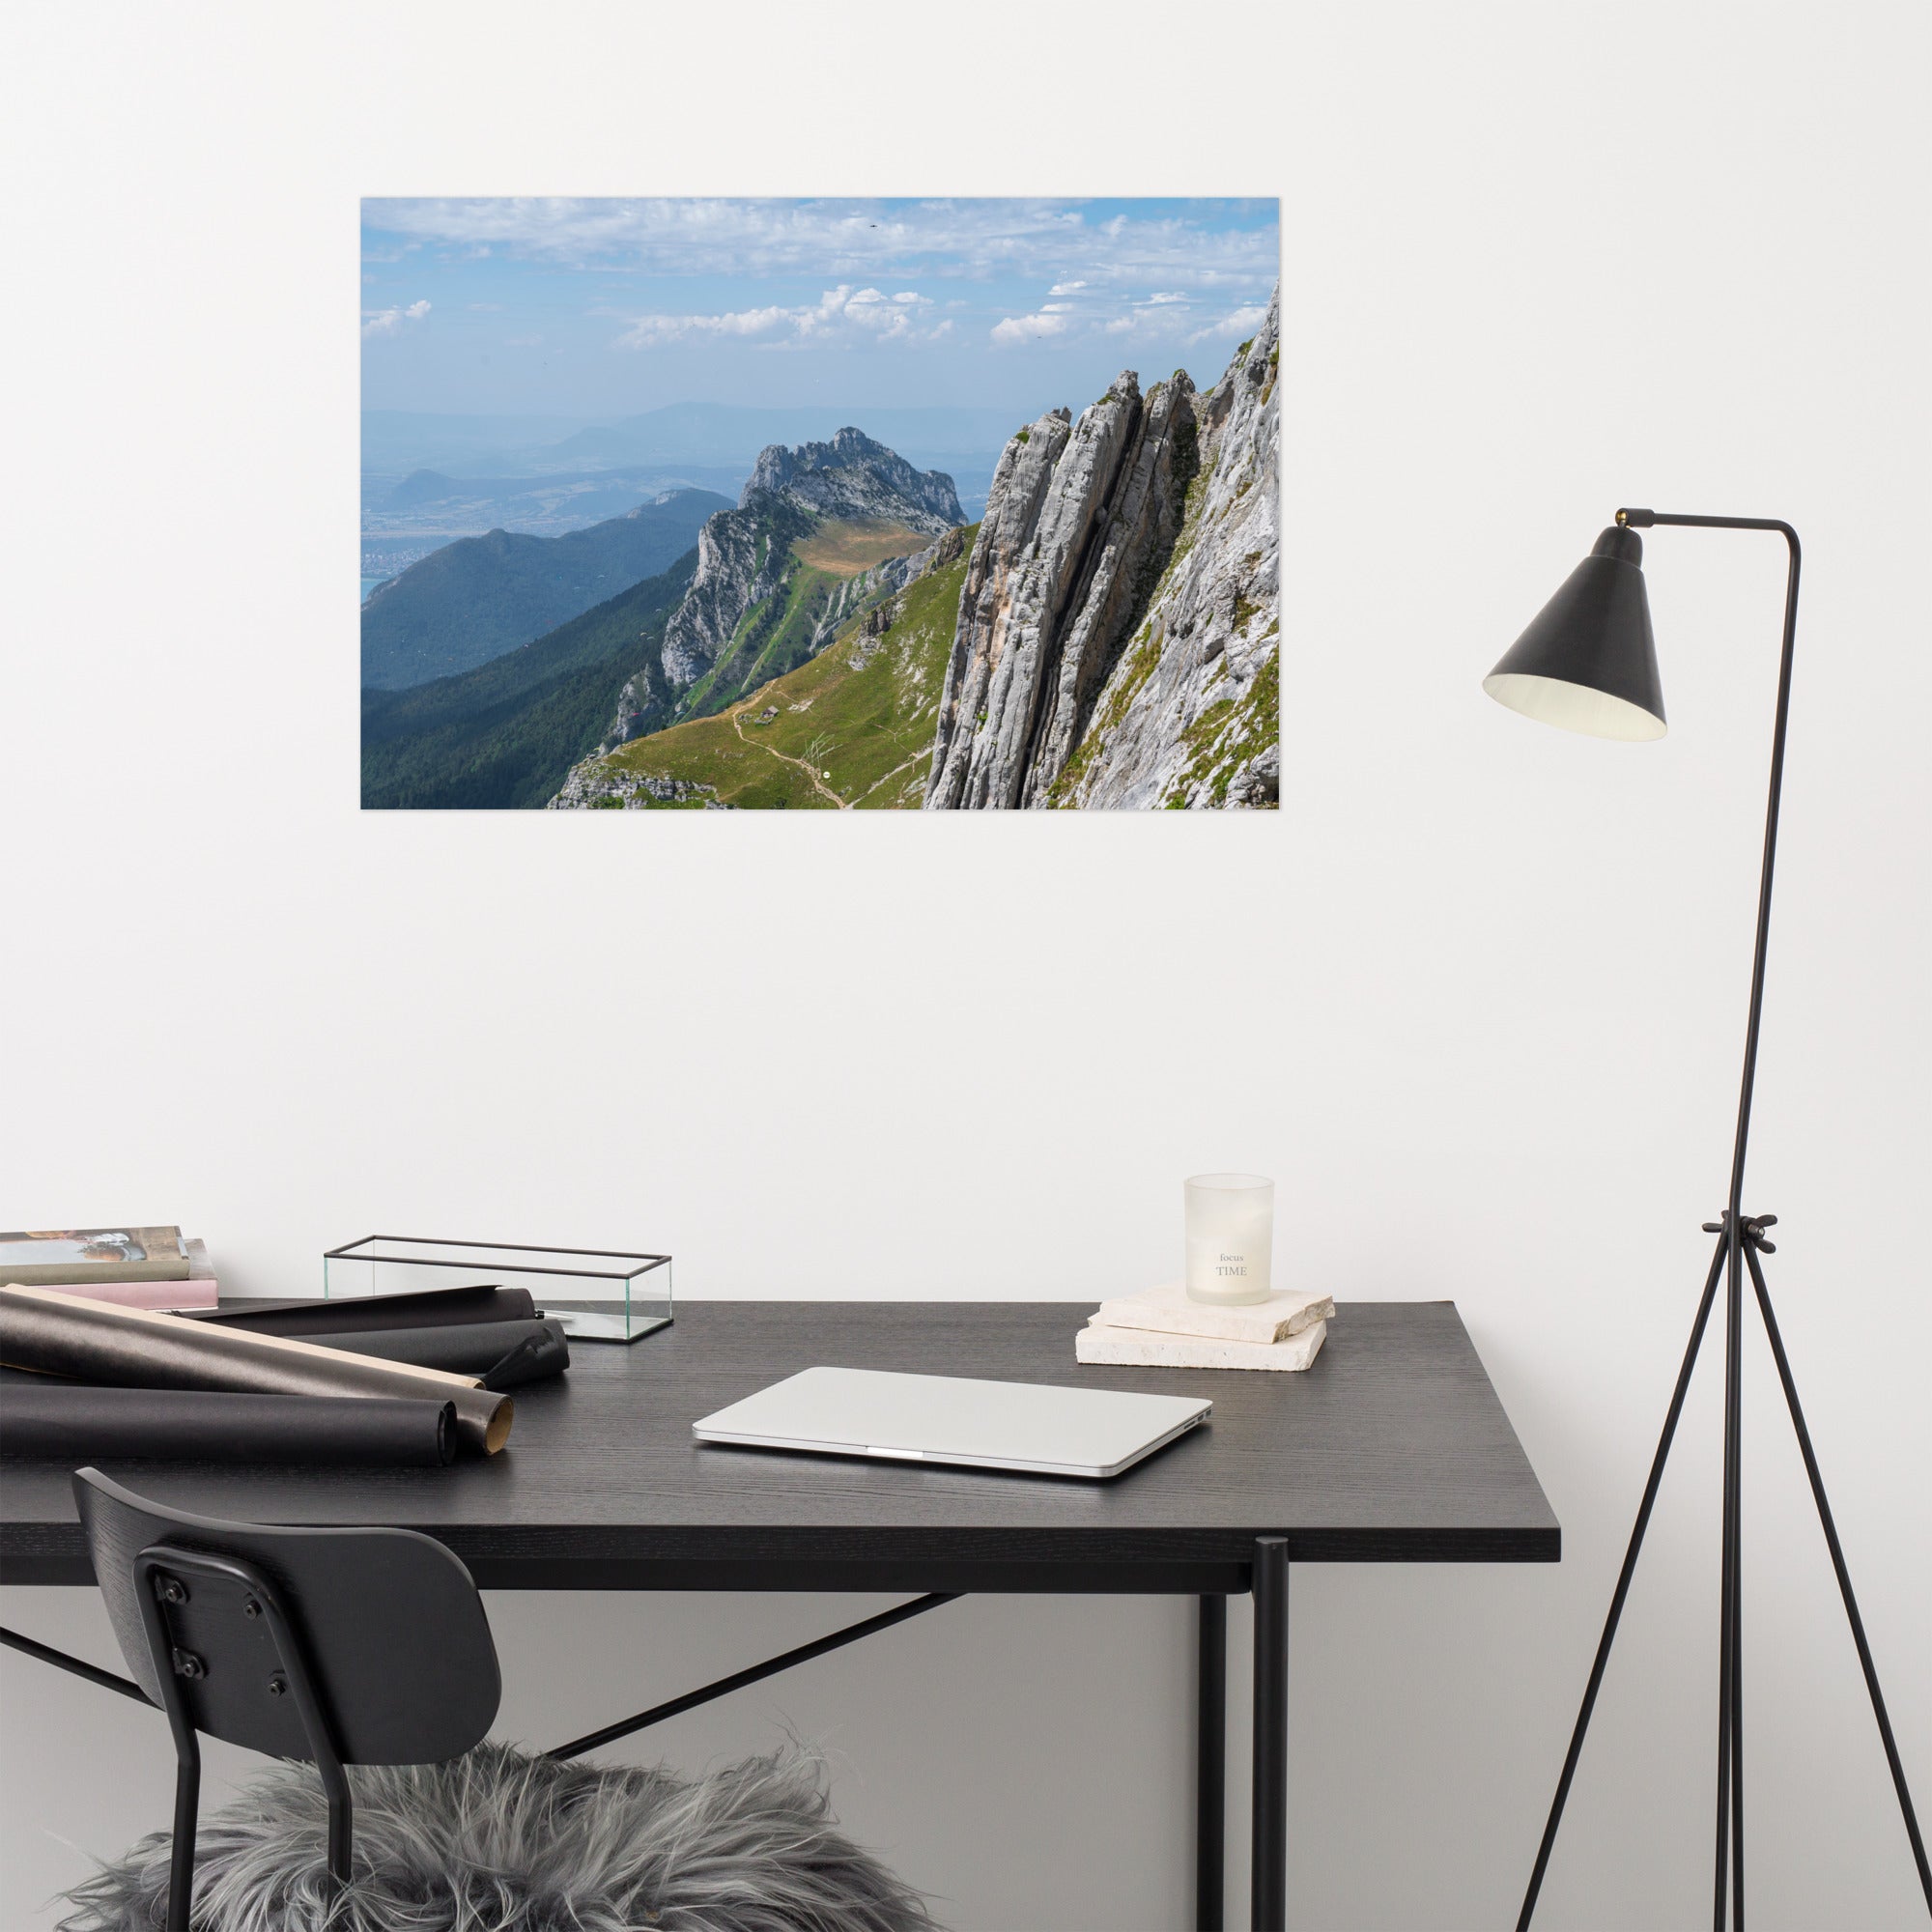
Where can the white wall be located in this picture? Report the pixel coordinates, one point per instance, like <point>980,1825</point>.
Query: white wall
<point>1475,995</point>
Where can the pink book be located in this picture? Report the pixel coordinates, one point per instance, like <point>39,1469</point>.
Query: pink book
<point>159,1294</point>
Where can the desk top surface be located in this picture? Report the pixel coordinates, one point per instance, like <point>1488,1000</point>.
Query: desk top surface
<point>1391,1447</point>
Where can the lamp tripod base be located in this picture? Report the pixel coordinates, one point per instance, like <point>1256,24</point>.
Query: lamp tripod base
<point>1741,1242</point>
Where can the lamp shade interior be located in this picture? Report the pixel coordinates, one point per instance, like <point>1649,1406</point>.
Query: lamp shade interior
<point>1588,661</point>
<point>1572,707</point>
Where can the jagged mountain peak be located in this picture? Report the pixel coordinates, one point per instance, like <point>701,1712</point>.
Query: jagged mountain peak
<point>853,477</point>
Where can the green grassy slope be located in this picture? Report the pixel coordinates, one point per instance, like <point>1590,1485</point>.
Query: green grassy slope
<point>506,734</point>
<point>772,638</point>
<point>474,599</point>
<point>853,727</point>
<point>775,635</point>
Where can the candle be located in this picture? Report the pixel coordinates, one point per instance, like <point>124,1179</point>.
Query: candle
<point>1230,1237</point>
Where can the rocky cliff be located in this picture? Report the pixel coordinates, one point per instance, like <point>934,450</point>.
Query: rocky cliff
<point>1118,639</point>
<point>745,555</point>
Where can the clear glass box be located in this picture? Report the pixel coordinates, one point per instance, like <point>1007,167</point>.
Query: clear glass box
<point>598,1296</point>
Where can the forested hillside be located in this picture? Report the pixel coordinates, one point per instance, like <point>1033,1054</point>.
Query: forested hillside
<point>474,599</point>
<point>506,734</point>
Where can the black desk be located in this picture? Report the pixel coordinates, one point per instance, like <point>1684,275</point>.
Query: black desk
<point>1391,1448</point>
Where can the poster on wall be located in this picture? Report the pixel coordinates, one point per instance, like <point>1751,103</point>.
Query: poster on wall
<point>820,505</point>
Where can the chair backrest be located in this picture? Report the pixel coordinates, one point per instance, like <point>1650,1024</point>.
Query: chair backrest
<point>391,1632</point>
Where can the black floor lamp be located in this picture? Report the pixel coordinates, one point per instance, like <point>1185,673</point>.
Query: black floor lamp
<point>1588,663</point>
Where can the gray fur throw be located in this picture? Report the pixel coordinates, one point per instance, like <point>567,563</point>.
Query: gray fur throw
<point>496,1841</point>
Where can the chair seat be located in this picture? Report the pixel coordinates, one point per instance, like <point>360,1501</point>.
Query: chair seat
<point>498,1841</point>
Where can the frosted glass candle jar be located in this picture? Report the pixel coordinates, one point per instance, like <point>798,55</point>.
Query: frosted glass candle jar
<point>1230,1237</point>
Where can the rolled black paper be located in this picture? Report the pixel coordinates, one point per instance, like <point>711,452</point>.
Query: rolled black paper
<point>465,1347</point>
<point>66,1422</point>
<point>363,1314</point>
<point>525,1363</point>
<point>137,1348</point>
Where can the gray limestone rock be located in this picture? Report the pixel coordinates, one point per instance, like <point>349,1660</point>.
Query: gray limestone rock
<point>1004,551</point>
<point>738,564</point>
<point>1190,715</point>
<point>854,477</point>
<point>589,787</point>
<point>1116,577</point>
<point>633,703</point>
<point>1118,639</point>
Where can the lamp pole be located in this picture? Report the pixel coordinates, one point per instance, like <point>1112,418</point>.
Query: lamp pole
<point>1644,520</point>
<point>1741,1241</point>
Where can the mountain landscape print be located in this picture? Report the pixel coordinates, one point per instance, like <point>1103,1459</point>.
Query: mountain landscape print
<point>820,505</point>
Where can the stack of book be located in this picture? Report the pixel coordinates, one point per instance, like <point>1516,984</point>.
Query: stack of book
<point>131,1268</point>
<point>1162,1328</point>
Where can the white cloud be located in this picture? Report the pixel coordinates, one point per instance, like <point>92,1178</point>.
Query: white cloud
<point>523,342</point>
<point>388,320</point>
<point>1160,300</point>
<point>890,318</point>
<point>1243,321</point>
<point>973,239</point>
<point>1017,329</point>
<point>646,331</point>
<point>871,310</point>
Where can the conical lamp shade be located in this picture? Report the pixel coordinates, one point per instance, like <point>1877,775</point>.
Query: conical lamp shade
<point>1588,661</point>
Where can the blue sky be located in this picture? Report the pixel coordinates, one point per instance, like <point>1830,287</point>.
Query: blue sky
<point>610,307</point>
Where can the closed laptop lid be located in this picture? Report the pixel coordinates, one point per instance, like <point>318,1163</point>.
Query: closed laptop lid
<point>954,1419</point>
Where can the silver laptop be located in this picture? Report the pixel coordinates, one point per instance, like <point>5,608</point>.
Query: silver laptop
<point>979,1425</point>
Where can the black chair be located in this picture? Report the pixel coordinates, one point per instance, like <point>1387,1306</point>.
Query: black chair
<point>329,1646</point>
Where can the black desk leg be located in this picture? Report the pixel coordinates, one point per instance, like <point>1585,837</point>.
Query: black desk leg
<point>1269,1893</point>
<point>1211,1766</point>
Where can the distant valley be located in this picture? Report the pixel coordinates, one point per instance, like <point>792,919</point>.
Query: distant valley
<point>726,435</point>
<point>521,473</point>
<point>427,508</point>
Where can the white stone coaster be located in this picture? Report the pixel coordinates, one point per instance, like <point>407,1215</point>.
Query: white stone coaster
<point>1143,1348</point>
<point>1168,1309</point>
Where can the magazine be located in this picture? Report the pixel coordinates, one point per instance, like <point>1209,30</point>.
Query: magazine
<point>52,1256</point>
